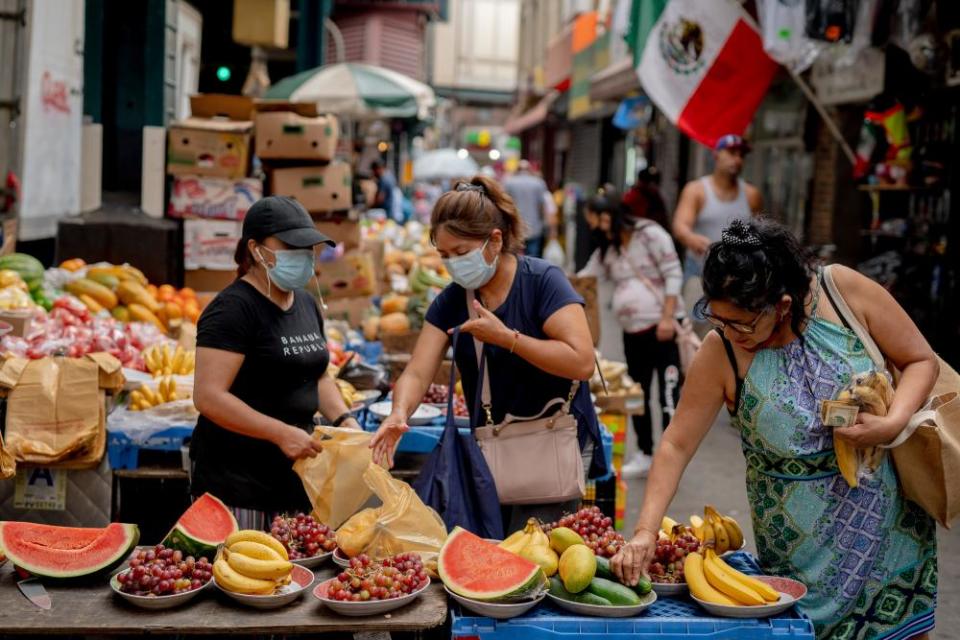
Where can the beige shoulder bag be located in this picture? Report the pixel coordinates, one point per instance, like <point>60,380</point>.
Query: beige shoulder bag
<point>511,446</point>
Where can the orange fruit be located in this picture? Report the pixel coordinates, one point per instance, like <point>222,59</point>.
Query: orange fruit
<point>152,290</point>
<point>165,293</point>
<point>188,293</point>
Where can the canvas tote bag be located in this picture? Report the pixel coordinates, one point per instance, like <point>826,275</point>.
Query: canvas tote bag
<point>926,454</point>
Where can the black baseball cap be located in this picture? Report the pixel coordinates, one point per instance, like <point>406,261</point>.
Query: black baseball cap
<point>284,218</point>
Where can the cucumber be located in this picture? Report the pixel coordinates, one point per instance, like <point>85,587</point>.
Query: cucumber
<point>614,592</point>
<point>557,590</point>
<point>591,598</point>
<point>603,571</point>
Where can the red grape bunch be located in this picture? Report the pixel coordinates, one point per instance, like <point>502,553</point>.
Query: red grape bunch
<point>163,572</point>
<point>667,565</point>
<point>595,528</point>
<point>385,580</point>
<point>303,536</point>
<point>438,394</point>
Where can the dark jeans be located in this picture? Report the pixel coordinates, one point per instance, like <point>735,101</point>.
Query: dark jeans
<point>534,247</point>
<point>646,355</point>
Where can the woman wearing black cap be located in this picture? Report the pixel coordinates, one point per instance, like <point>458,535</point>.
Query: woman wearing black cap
<point>261,359</point>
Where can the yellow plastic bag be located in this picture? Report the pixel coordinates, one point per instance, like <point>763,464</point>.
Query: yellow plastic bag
<point>333,479</point>
<point>401,524</point>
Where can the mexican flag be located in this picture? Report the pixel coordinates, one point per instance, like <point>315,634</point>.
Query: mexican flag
<point>704,67</point>
<point>643,15</point>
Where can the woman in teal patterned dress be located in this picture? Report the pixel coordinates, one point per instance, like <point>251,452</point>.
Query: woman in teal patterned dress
<point>867,555</point>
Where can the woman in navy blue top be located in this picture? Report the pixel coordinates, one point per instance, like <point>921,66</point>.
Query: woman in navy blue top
<point>530,319</point>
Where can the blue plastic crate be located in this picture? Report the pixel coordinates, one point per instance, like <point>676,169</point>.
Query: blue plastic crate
<point>667,619</point>
<point>124,453</point>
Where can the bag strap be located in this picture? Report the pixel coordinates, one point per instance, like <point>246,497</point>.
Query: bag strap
<point>451,418</point>
<point>849,319</point>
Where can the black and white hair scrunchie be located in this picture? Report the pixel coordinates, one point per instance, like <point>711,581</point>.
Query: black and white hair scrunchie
<point>740,234</point>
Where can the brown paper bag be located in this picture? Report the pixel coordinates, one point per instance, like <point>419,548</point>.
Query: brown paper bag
<point>333,479</point>
<point>8,465</point>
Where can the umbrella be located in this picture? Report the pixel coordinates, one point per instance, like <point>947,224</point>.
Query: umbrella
<point>357,90</point>
<point>443,164</point>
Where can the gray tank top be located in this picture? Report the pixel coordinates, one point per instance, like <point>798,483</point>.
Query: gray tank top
<point>714,217</point>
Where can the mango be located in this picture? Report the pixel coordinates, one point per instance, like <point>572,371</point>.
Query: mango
<point>562,538</point>
<point>578,566</point>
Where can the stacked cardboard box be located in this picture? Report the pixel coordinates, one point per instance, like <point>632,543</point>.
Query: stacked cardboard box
<point>209,156</point>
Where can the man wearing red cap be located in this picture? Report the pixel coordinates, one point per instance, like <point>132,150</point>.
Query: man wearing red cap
<point>707,206</point>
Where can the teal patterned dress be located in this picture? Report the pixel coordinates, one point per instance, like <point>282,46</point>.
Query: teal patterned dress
<point>867,555</point>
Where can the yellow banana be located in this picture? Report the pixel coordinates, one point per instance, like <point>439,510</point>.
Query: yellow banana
<point>162,389</point>
<point>848,460</point>
<point>167,355</point>
<point>518,544</point>
<point>697,523</point>
<point>189,361</point>
<point>766,592</point>
<point>709,536</point>
<point>512,539</point>
<point>255,550</point>
<point>230,580</point>
<point>697,581</point>
<point>723,539</point>
<point>537,537</point>
<point>171,389</point>
<point>262,537</point>
<point>734,531</point>
<point>149,396</point>
<point>136,398</point>
<point>667,525</point>
<point>177,363</point>
<point>725,583</point>
<point>254,568</point>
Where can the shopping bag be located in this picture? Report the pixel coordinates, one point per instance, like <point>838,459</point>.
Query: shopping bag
<point>456,481</point>
<point>333,479</point>
<point>8,465</point>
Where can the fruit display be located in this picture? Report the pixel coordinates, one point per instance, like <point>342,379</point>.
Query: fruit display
<point>721,532</point>
<point>302,536</point>
<point>161,571</point>
<point>712,580</point>
<point>145,397</point>
<point>440,393</point>
<point>206,524</point>
<point>533,544</point>
<point>66,552</point>
<point>30,272</point>
<point>594,528</point>
<point>480,570</point>
<point>164,360</point>
<point>252,563</point>
<point>387,579</point>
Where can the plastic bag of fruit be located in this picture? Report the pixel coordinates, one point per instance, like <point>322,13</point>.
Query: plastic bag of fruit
<point>403,522</point>
<point>333,479</point>
<point>139,426</point>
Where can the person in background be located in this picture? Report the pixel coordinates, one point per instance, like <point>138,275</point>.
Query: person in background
<point>528,192</point>
<point>867,555</point>
<point>529,318</point>
<point>261,370</point>
<point>639,257</point>
<point>386,187</point>
<point>644,198</point>
<point>707,206</point>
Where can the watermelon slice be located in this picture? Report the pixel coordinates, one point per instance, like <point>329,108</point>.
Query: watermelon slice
<point>66,552</point>
<point>206,524</point>
<point>476,569</point>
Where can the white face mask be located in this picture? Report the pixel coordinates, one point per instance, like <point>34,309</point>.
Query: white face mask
<point>471,270</point>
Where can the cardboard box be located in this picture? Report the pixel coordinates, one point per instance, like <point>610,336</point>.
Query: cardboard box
<point>208,280</point>
<point>587,287</point>
<point>287,135</point>
<point>625,404</point>
<point>210,244</point>
<point>350,310</point>
<point>318,188</point>
<point>344,232</point>
<point>264,23</point>
<point>19,320</point>
<point>350,276</point>
<point>213,198</point>
<point>215,140</point>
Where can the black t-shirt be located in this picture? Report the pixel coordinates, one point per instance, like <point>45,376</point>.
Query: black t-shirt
<point>517,387</point>
<point>285,354</point>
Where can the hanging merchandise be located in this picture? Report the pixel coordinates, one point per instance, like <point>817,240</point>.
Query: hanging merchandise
<point>783,26</point>
<point>907,20</point>
<point>884,149</point>
<point>927,54</point>
<point>831,20</point>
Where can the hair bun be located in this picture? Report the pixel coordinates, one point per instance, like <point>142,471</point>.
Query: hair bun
<point>467,186</point>
<point>741,234</point>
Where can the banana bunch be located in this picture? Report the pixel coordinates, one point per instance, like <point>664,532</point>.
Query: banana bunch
<point>713,580</point>
<point>167,361</point>
<point>145,397</point>
<point>717,531</point>
<point>349,393</point>
<point>533,544</point>
<point>873,393</point>
<point>253,563</point>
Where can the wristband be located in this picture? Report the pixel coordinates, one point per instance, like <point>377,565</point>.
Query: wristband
<point>516,339</point>
<point>343,417</point>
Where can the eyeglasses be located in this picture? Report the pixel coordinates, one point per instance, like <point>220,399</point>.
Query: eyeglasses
<point>739,327</point>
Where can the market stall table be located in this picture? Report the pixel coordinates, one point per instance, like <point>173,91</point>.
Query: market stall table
<point>93,609</point>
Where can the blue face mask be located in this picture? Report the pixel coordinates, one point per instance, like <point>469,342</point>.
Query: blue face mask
<point>292,270</point>
<point>471,270</point>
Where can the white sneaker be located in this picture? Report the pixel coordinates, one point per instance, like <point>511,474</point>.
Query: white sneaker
<point>637,466</point>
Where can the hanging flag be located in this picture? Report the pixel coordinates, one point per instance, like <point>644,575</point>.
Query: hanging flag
<point>643,16</point>
<point>704,67</point>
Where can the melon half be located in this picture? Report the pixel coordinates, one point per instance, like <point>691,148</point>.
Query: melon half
<point>474,568</point>
<point>205,525</point>
<point>66,552</point>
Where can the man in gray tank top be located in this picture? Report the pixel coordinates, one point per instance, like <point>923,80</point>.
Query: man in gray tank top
<point>707,205</point>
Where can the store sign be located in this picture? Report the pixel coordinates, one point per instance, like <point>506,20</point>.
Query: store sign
<point>40,488</point>
<point>840,78</point>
